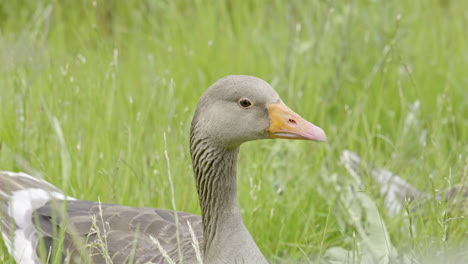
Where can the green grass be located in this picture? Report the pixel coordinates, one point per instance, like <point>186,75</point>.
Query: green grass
<point>116,75</point>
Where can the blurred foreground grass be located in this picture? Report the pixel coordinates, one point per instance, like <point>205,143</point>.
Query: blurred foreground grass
<point>387,79</point>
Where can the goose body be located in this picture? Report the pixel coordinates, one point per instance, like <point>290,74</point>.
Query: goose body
<point>234,110</point>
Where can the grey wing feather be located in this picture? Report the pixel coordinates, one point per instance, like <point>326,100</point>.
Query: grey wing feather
<point>122,232</point>
<point>93,232</point>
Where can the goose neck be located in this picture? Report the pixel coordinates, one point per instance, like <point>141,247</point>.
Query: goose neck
<point>215,176</point>
<point>226,239</point>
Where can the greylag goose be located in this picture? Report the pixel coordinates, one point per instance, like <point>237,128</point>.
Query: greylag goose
<point>234,110</point>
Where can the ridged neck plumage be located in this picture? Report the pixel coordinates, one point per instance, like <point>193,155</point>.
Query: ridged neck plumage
<point>225,236</point>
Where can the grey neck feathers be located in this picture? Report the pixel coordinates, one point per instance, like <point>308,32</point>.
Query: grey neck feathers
<point>226,240</point>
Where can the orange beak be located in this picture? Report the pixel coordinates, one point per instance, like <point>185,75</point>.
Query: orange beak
<point>284,123</point>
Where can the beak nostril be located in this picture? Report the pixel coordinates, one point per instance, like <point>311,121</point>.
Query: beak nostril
<point>292,121</point>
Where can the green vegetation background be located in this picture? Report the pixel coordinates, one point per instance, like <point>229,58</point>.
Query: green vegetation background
<point>87,89</point>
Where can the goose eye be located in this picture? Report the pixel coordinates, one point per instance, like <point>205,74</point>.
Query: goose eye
<point>245,103</point>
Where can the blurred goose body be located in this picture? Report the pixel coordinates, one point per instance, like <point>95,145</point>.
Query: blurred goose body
<point>234,110</point>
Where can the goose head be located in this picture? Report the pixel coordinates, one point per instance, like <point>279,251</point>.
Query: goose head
<point>234,110</point>
<point>240,108</point>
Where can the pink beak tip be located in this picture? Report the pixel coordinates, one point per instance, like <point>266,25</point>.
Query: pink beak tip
<point>315,133</point>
